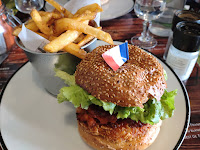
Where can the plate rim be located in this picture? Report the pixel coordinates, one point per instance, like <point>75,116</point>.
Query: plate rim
<point>187,101</point>
<point>129,10</point>
<point>188,109</point>
<point>2,143</point>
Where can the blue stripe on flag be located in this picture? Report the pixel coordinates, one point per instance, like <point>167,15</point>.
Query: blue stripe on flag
<point>124,51</point>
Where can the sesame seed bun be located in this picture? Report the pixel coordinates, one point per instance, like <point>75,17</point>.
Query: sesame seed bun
<point>139,79</point>
<point>127,137</point>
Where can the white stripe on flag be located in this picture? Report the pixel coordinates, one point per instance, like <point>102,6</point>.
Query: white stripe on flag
<point>116,55</point>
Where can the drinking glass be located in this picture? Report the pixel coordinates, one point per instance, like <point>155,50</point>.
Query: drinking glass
<point>147,10</point>
<point>25,6</point>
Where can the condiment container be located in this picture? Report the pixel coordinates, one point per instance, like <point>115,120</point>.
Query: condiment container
<point>7,22</point>
<point>180,15</point>
<point>184,50</point>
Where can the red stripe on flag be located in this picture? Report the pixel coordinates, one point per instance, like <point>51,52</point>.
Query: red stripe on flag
<point>110,61</point>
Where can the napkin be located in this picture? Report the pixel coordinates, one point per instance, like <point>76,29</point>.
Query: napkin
<point>31,40</point>
<point>35,42</point>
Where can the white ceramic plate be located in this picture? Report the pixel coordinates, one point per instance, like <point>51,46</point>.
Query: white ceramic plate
<point>111,10</point>
<point>116,8</point>
<point>31,118</point>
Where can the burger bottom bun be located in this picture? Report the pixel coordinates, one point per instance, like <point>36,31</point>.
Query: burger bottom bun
<point>142,137</point>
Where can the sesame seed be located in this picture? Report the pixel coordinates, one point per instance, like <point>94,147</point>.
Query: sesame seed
<point>129,85</point>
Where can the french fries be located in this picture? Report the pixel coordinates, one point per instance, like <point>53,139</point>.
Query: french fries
<point>47,16</point>
<point>30,25</point>
<point>16,31</point>
<point>86,39</point>
<point>73,49</point>
<point>71,24</point>
<point>43,35</point>
<point>64,39</point>
<point>87,16</point>
<point>66,31</point>
<point>92,7</point>
<point>60,42</point>
<point>61,9</point>
<point>80,38</point>
<point>41,24</point>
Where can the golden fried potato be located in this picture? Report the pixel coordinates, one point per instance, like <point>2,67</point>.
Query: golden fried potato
<point>92,8</point>
<point>41,24</point>
<point>61,9</point>
<point>87,39</point>
<point>71,24</point>
<point>72,48</point>
<point>63,40</point>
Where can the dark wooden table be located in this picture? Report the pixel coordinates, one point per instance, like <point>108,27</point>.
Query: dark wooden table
<point>121,29</point>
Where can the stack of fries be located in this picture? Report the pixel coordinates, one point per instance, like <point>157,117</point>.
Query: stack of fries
<point>66,31</point>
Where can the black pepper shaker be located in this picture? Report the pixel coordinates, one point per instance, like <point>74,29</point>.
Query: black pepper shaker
<point>184,50</point>
<point>180,15</point>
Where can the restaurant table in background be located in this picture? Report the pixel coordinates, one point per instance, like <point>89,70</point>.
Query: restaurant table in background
<point>121,29</point>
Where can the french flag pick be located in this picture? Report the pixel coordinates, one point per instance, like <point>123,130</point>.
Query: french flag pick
<point>116,56</point>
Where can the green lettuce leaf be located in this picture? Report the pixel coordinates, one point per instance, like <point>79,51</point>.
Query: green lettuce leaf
<point>152,112</point>
<point>69,79</point>
<point>167,102</point>
<point>165,75</point>
<point>80,98</point>
<point>77,96</point>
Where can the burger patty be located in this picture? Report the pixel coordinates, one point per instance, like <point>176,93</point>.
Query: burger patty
<point>100,124</point>
<point>96,115</point>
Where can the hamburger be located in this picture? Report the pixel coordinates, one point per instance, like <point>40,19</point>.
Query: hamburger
<point>120,109</point>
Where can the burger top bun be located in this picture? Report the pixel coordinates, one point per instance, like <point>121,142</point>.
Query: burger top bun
<point>137,80</point>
